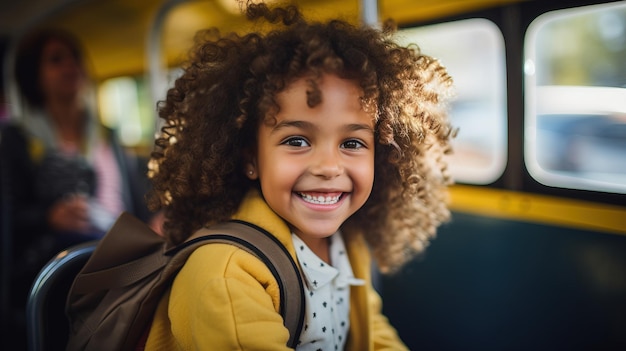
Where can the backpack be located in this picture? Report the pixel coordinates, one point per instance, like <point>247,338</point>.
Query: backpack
<point>112,300</point>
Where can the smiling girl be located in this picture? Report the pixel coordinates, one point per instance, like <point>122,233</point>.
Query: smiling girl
<point>327,135</point>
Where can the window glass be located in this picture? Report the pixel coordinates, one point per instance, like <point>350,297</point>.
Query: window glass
<point>125,106</point>
<point>473,52</point>
<point>575,68</point>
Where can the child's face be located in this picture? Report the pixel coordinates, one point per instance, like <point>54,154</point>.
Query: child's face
<point>316,165</point>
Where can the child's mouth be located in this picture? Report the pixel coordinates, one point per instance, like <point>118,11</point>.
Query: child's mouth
<point>321,198</point>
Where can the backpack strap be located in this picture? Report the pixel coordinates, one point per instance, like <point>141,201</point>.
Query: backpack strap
<point>258,242</point>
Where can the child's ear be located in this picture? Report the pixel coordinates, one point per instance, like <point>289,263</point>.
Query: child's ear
<point>251,170</point>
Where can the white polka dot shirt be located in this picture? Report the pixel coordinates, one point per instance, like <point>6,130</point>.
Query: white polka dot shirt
<point>327,292</point>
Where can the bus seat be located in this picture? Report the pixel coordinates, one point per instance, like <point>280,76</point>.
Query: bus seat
<point>46,325</point>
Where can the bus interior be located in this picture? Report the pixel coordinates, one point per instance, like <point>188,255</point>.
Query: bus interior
<point>534,257</point>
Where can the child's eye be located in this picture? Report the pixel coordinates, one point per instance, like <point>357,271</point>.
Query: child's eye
<point>352,144</point>
<point>296,142</point>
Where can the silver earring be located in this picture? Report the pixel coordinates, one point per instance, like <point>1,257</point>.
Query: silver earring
<point>250,172</point>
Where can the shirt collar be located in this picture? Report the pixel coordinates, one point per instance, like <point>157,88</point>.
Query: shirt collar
<point>318,273</point>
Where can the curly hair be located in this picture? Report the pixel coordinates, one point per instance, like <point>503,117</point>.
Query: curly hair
<point>212,113</point>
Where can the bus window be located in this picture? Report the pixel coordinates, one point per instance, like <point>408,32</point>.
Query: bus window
<point>575,66</point>
<point>125,106</point>
<point>473,52</point>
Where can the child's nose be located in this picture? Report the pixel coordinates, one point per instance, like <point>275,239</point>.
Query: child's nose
<point>328,163</point>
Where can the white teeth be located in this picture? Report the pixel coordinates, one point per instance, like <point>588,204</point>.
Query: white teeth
<point>320,200</point>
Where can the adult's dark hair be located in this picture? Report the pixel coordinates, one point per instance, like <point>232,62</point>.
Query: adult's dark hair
<point>28,60</point>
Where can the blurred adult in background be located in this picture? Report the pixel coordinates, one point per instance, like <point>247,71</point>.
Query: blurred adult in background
<point>69,178</point>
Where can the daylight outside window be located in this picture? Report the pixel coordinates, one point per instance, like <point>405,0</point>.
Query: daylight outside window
<point>124,107</point>
<point>473,52</point>
<point>575,66</point>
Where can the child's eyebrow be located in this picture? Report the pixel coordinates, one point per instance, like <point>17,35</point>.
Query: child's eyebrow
<point>353,127</point>
<point>296,124</point>
<point>359,126</point>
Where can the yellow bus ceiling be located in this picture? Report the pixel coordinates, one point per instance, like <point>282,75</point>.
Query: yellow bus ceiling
<point>115,32</point>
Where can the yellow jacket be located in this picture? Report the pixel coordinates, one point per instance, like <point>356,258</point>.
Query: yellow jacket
<point>226,299</point>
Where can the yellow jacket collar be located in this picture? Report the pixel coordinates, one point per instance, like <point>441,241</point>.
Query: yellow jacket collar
<point>254,209</point>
